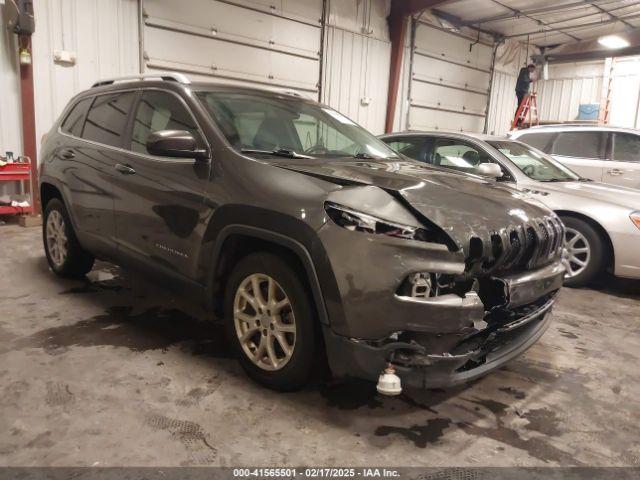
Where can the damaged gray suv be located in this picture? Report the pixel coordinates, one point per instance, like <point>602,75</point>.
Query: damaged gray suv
<point>310,237</point>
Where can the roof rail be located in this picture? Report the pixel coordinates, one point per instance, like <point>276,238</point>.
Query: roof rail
<point>166,76</point>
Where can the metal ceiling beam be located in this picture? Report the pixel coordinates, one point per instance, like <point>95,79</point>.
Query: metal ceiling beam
<point>575,27</point>
<point>533,11</point>
<point>401,10</point>
<point>613,17</point>
<point>540,22</point>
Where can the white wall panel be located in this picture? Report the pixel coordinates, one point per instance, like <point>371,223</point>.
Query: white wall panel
<point>355,64</point>
<point>450,77</point>
<point>102,33</point>
<point>256,42</point>
<point>356,77</point>
<point>10,111</point>
<point>503,103</point>
<point>625,93</point>
<point>367,17</point>
<point>568,86</point>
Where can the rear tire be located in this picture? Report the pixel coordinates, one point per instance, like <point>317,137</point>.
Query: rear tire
<point>585,246</point>
<point>65,255</point>
<point>273,332</point>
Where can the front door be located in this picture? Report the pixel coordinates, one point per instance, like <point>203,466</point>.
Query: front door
<point>159,206</point>
<point>623,168</point>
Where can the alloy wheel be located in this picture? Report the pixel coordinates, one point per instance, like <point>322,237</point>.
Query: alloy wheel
<point>264,322</point>
<point>576,253</point>
<point>57,241</point>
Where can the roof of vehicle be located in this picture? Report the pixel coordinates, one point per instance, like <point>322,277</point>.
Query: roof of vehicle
<point>173,80</point>
<point>444,133</point>
<point>572,127</point>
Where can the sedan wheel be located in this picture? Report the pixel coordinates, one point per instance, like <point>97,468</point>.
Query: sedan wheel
<point>264,322</point>
<point>576,254</point>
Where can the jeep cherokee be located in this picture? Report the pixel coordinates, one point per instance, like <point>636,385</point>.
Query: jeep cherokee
<point>310,236</point>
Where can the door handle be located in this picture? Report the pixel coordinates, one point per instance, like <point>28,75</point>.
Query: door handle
<point>614,171</point>
<point>124,169</point>
<point>68,154</point>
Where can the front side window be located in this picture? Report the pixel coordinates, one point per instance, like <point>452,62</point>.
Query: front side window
<point>626,147</point>
<point>159,111</point>
<point>75,119</point>
<point>260,123</point>
<point>535,165</point>
<point>412,147</point>
<point>580,144</point>
<point>107,118</point>
<point>457,155</point>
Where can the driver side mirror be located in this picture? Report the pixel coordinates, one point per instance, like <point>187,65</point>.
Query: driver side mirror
<point>491,170</point>
<point>175,143</point>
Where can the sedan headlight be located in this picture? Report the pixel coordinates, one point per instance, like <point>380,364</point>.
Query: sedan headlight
<point>635,218</point>
<point>363,222</point>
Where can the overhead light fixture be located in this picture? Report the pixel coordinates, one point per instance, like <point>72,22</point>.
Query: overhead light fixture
<point>613,42</point>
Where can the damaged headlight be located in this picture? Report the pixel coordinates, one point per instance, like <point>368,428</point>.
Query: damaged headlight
<point>363,222</point>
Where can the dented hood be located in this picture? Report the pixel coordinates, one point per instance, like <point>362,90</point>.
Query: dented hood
<point>462,205</point>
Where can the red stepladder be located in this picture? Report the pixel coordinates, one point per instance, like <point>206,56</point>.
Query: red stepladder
<point>527,108</point>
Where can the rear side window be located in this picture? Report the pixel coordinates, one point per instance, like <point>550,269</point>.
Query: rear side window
<point>75,120</point>
<point>541,140</point>
<point>412,147</point>
<point>580,144</point>
<point>107,118</point>
<point>626,147</point>
<point>159,111</point>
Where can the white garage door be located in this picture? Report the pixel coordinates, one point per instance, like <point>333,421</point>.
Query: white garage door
<point>257,42</point>
<point>449,81</point>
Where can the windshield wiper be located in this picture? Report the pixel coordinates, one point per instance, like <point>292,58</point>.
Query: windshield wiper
<point>582,179</point>
<point>280,152</point>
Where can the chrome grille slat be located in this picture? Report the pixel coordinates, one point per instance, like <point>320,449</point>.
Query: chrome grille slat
<point>529,245</point>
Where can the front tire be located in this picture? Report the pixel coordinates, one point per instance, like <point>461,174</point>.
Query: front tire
<point>270,323</point>
<point>585,253</point>
<point>65,255</point>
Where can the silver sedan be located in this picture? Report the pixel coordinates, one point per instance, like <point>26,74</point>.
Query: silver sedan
<point>602,221</point>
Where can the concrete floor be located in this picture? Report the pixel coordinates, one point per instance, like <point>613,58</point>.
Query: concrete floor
<point>118,372</point>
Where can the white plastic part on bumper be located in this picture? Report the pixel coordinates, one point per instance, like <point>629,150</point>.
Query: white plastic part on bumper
<point>389,383</point>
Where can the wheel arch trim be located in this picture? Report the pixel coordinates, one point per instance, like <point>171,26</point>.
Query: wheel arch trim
<point>297,248</point>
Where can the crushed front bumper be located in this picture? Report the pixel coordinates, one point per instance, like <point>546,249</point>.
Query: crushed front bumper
<point>475,355</point>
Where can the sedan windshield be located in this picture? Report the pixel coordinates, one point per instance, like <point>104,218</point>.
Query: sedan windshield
<point>266,124</point>
<point>533,163</point>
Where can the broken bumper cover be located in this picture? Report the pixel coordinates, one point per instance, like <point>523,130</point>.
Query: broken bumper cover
<point>474,356</point>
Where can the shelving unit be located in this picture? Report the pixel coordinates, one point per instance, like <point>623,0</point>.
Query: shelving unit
<point>16,172</point>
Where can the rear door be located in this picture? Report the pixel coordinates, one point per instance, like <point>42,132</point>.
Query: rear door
<point>159,207</point>
<point>623,168</point>
<point>583,151</point>
<point>91,150</point>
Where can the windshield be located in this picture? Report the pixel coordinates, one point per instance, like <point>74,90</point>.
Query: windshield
<point>533,163</point>
<point>262,123</point>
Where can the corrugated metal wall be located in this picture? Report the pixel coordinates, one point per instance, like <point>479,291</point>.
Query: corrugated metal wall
<point>356,61</point>
<point>510,57</point>
<point>102,33</point>
<point>568,86</point>
<point>503,103</point>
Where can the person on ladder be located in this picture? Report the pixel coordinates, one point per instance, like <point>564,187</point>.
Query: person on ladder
<point>525,77</point>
